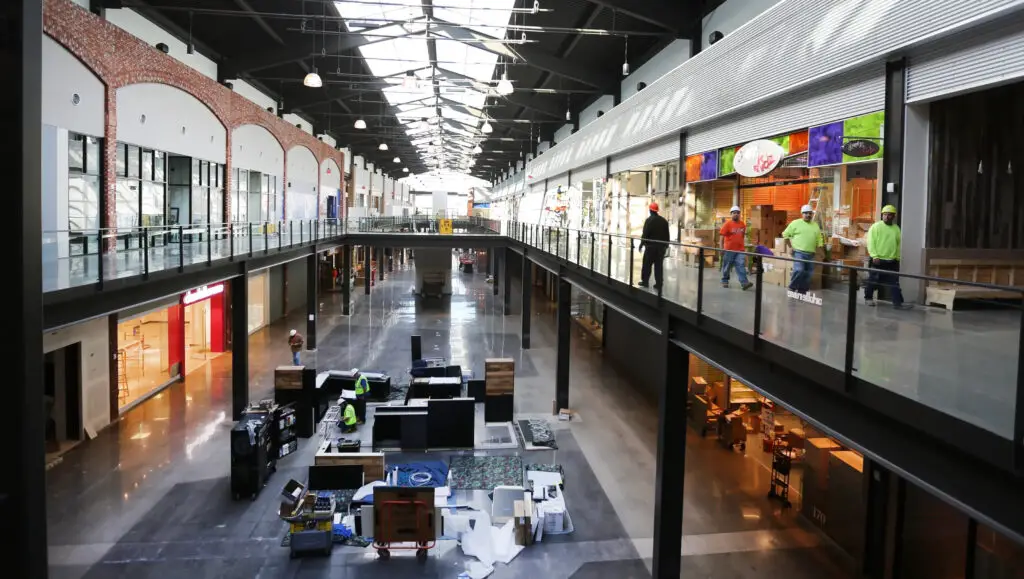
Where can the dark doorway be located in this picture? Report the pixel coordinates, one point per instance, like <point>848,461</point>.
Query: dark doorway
<point>62,389</point>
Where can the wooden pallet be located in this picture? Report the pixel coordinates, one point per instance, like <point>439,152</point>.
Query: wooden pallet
<point>996,267</point>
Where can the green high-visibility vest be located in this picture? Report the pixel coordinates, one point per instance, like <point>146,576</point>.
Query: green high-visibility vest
<point>350,415</point>
<point>362,386</point>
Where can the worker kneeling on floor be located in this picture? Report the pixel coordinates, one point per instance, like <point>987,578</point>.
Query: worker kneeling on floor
<point>348,417</point>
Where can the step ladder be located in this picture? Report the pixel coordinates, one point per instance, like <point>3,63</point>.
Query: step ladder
<point>122,376</point>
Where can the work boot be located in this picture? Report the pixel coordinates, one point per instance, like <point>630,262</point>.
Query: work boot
<point>725,285</point>
<point>747,286</point>
<point>642,284</point>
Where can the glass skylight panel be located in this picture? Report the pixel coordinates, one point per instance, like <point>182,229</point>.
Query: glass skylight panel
<point>463,74</point>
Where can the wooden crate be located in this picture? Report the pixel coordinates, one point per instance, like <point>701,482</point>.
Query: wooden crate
<point>996,267</point>
<point>288,378</point>
<point>372,462</point>
<point>499,374</point>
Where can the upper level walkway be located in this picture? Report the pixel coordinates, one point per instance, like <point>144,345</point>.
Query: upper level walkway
<point>73,259</point>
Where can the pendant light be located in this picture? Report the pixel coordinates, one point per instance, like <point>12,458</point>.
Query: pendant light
<point>396,160</point>
<point>360,124</point>
<point>487,128</point>
<point>625,59</point>
<point>383,147</point>
<point>405,169</point>
<point>313,79</point>
<point>477,150</point>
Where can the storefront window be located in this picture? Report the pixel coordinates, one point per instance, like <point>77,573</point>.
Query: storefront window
<point>142,356</point>
<point>83,184</point>
<point>257,301</point>
<point>141,188</point>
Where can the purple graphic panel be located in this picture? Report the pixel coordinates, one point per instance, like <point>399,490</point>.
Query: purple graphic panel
<point>825,145</point>
<point>709,166</point>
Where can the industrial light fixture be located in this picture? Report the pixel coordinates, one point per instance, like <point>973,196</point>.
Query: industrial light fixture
<point>477,150</point>
<point>190,48</point>
<point>396,160</point>
<point>487,128</point>
<point>313,79</point>
<point>405,169</point>
<point>383,147</point>
<point>625,59</point>
<point>360,124</point>
<point>505,87</point>
<point>536,6</point>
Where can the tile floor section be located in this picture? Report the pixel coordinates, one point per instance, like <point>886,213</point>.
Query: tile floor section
<point>149,497</point>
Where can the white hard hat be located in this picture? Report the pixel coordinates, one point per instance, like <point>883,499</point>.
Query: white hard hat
<point>735,209</point>
<point>355,370</point>
<point>806,209</point>
<point>292,333</point>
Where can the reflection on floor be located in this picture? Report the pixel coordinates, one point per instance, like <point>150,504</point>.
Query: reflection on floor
<point>149,496</point>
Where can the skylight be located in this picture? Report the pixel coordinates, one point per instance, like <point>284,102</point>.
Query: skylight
<point>458,83</point>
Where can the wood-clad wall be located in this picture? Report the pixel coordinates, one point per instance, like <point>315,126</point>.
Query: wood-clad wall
<point>976,189</point>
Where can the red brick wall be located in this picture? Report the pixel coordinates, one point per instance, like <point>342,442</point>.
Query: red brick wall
<point>118,59</point>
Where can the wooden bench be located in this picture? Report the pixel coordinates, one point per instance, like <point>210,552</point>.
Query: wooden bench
<point>990,266</point>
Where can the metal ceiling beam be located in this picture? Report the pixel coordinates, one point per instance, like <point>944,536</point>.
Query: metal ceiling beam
<point>531,55</point>
<point>666,14</point>
<point>260,21</point>
<point>301,50</point>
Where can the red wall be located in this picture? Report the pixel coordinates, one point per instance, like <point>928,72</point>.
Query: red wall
<point>176,337</point>
<point>217,323</point>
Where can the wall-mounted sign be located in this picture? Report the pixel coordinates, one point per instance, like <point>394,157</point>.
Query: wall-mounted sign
<point>201,293</point>
<point>861,148</point>
<point>758,158</point>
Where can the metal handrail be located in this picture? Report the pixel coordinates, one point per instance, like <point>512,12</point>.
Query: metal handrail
<point>920,277</point>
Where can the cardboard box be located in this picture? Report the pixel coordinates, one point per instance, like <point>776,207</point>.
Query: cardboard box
<point>760,216</point>
<point>779,221</point>
<point>778,276</point>
<point>779,246</point>
<point>523,512</point>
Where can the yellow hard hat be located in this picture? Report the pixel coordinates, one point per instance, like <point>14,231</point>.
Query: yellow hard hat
<point>889,209</point>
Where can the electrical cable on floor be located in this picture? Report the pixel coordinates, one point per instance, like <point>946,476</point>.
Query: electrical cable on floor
<point>420,479</point>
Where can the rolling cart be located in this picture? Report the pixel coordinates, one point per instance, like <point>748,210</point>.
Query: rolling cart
<point>311,524</point>
<point>403,519</point>
<point>782,463</point>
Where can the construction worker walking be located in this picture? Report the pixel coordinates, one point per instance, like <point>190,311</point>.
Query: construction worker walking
<point>884,242</point>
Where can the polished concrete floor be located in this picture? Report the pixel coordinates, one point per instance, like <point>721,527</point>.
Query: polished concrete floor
<point>149,497</point>
<point>962,363</point>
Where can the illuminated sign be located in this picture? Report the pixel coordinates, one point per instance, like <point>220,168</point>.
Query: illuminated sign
<point>201,293</point>
<point>758,158</point>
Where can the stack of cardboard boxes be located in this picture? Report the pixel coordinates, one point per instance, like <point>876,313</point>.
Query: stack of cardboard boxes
<point>848,255</point>
<point>778,272</point>
<point>766,224</point>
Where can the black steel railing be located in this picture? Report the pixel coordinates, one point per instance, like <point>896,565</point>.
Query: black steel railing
<point>965,364</point>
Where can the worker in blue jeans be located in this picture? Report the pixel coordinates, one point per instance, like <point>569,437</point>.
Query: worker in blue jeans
<point>733,235</point>
<point>804,236</point>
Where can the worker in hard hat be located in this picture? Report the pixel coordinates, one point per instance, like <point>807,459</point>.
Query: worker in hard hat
<point>884,241</point>
<point>295,342</point>
<point>348,416</point>
<point>655,239</point>
<point>733,234</point>
<point>362,384</point>
<point>803,236</point>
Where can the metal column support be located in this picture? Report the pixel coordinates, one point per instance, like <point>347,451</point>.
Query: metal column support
<point>312,298</point>
<point>23,482</point>
<point>239,345</point>
<point>526,314</point>
<point>346,279</point>
<point>895,111</point>
<point>366,270</point>
<point>564,342</point>
<point>671,466</point>
<point>492,263</point>
<point>506,293</point>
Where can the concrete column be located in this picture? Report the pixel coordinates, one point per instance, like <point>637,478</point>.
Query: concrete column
<point>671,466</point>
<point>239,287</point>
<point>312,298</point>
<point>492,264</point>
<point>564,342</point>
<point>527,296</point>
